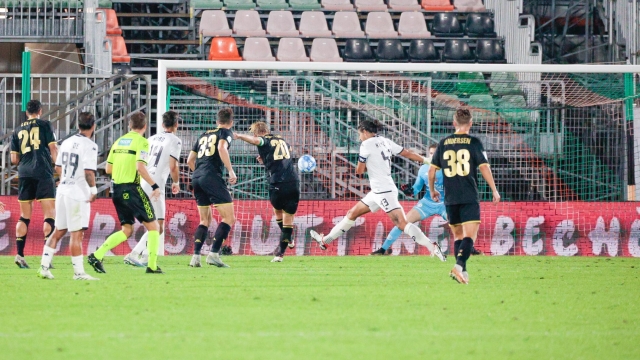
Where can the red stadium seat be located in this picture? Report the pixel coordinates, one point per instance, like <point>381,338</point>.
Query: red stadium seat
<point>224,49</point>
<point>112,22</point>
<point>437,5</point>
<point>119,53</point>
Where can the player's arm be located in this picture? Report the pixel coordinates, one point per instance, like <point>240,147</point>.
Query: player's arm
<point>435,195</point>
<point>223,146</point>
<point>363,155</point>
<point>141,166</point>
<point>191,160</point>
<point>90,176</point>
<point>174,168</point>
<point>419,183</point>
<point>15,158</point>
<point>413,156</point>
<point>53,149</point>
<point>485,170</point>
<point>15,154</point>
<point>257,141</point>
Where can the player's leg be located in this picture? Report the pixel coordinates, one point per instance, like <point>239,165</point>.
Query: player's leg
<point>26,195</point>
<point>77,223</point>
<point>412,216</point>
<point>50,245</point>
<point>153,242</point>
<point>347,222</point>
<point>49,224</point>
<point>469,216</point>
<point>76,257</point>
<point>222,232</point>
<point>201,234</point>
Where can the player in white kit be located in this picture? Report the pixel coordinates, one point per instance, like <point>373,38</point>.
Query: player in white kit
<point>164,160</point>
<point>375,158</point>
<point>76,164</point>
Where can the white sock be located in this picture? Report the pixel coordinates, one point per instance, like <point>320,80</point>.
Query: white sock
<point>47,256</point>
<point>417,235</point>
<point>141,245</point>
<point>342,227</point>
<point>78,266</point>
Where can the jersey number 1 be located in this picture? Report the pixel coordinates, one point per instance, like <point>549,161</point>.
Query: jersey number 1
<point>458,162</point>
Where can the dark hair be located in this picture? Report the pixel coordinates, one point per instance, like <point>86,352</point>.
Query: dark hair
<point>433,146</point>
<point>462,116</point>
<point>34,107</point>
<point>170,119</point>
<point>372,126</point>
<point>225,116</point>
<point>86,120</point>
<point>137,120</point>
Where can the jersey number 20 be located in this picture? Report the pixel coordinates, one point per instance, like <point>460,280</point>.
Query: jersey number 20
<point>281,151</point>
<point>458,162</point>
<point>207,145</point>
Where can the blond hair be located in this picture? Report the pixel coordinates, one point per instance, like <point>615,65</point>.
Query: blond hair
<point>259,127</point>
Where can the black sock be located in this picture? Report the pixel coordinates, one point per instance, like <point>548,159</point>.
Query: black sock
<point>279,221</point>
<point>285,238</point>
<point>220,236</point>
<point>464,253</point>
<point>52,226</point>
<point>21,241</point>
<point>200,237</point>
<point>456,248</point>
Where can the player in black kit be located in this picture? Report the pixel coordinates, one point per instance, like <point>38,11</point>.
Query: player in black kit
<point>284,183</point>
<point>34,149</point>
<point>459,156</point>
<point>208,157</point>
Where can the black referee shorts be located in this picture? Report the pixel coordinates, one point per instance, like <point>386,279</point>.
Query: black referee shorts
<point>210,190</point>
<point>132,203</point>
<point>285,196</point>
<point>30,189</point>
<point>461,214</point>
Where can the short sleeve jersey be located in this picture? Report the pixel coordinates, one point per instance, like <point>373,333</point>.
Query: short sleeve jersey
<point>423,179</point>
<point>76,154</point>
<point>376,152</point>
<point>162,147</point>
<point>31,140</point>
<point>276,157</point>
<point>125,153</point>
<point>459,156</point>
<point>208,161</point>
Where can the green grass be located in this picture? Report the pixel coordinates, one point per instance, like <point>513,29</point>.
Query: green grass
<point>326,308</point>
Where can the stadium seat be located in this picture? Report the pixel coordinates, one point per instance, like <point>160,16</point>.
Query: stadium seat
<point>370,5</point>
<point>305,5</point>
<point>490,51</point>
<point>413,26</point>
<point>482,107</point>
<point>504,84</point>
<point>437,5</point>
<point>480,25</point>
<point>404,5</point>
<point>257,49</point>
<point>391,50</point>
<point>291,49</point>
<point>119,53</point>
<point>239,4</point>
<point>337,5</point>
<point>314,24</point>
<point>358,50</point>
<point>380,26</point>
<point>206,4</point>
<point>473,83</point>
<point>112,22</point>
<point>324,50</point>
<point>224,49</point>
<point>421,50</point>
<point>247,23</point>
<point>456,50</point>
<point>469,5</point>
<point>446,24</point>
<point>444,107</point>
<point>347,25</point>
<point>513,107</point>
<point>214,23</point>
<point>273,4</point>
<point>280,23</point>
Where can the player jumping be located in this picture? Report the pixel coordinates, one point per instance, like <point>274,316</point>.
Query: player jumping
<point>375,158</point>
<point>284,183</point>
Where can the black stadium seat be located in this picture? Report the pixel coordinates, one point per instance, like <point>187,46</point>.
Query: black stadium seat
<point>391,51</point>
<point>457,51</point>
<point>358,50</point>
<point>490,51</point>
<point>446,24</point>
<point>422,50</point>
<point>480,25</point>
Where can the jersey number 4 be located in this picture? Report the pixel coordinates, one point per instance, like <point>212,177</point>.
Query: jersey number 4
<point>207,146</point>
<point>281,150</point>
<point>29,137</point>
<point>458,162</point>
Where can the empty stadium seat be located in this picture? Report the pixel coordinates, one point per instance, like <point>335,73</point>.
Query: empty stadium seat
<point>469,5</point>
<point>239,4</point>
<point>504,84</point>
<point>214,23</point>
<point>358,50</point>
<point>391,50</point>
<point>112,22</point>
<point>257,49</point>
<point>314,24</point>
<point>421,50</point>
<point>206,4</point>
<point>380,26</point>
<point>280,23</point>
<point>456,50</point>
<point>472,83</point>
<point>224,49</point>
<point>413,26</point>
<point>305,4</point>
<point>291,49</point>
<point>247,23</point>
<point>273,4</point>
<point>446,24</point>
<point>480,25</point>
<point>370,5</point>
<point>444,106</point>
<point>437,5</point>
<point>513,107</point>
<point>324,50</point>
<point>119,53</point>
<point>404,5</point>
<point>482,107</point>
<point>490,51</point>
<point>347,25</point>
<point>337,5</point>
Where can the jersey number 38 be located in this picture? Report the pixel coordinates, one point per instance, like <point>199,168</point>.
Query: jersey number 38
<point>458,162</point>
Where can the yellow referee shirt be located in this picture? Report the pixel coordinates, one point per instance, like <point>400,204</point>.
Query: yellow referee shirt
<point>125,154</point>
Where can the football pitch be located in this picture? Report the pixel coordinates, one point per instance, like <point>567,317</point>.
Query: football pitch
<point>326,308</point>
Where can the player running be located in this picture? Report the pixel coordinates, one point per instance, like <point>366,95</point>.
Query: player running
<point>459,156</point>
<point>76,164</point>
<point>284,183</point>
<point>127,163</point>
<point>164,159</point>
<point>34,149</point>
<point>375,158</point>
<point>207,159</point>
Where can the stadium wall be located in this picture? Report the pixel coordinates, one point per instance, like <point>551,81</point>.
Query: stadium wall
<point>510,228</point>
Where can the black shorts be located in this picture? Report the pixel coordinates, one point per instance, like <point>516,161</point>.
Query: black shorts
<point>463,213</point>
<point>210,191</point>
<point>30,189</point>
<point>285,196</point>
<point>132,203</point>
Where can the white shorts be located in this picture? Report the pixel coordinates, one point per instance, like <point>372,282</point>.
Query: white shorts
<point>158,204</point>
<point>71,214</point>
<point>387,201</point>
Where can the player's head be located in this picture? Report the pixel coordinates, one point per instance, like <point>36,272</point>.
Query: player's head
<point>432,149</point>
<point>170,121</point>
<point>368,128</point>
<point>34,108</point>
<point>86,122</point>
<point>259,128</point>
<point>138,122</point>
<point>225,117</point>
<point>462,117</point>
